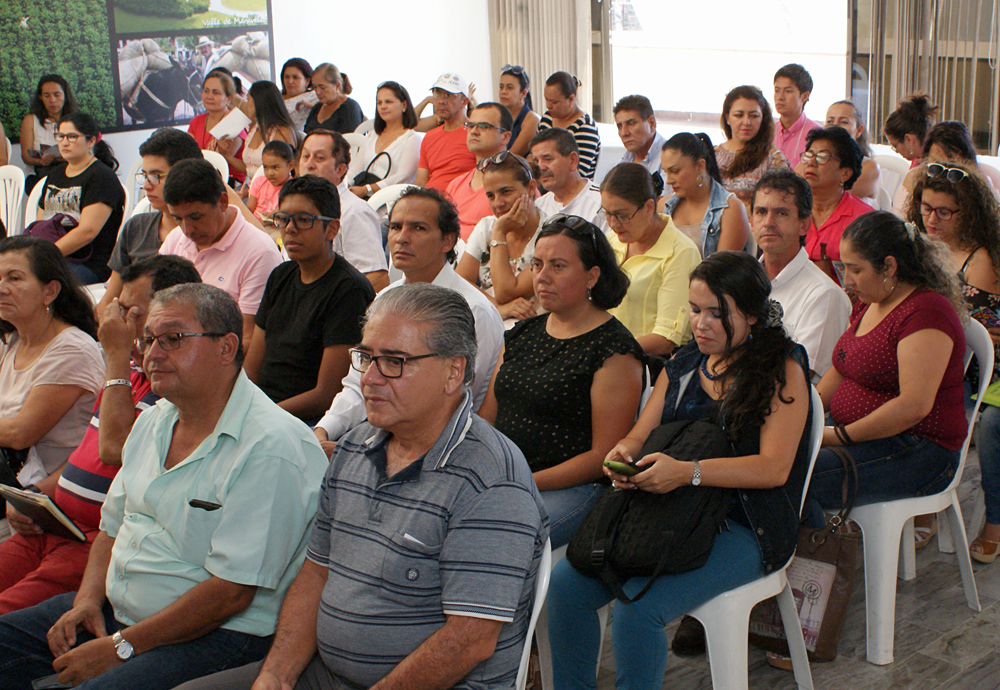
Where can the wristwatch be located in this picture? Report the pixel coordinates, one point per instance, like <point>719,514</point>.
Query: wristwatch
<point>696,478</point>
<point>123,647</point>
<point>498,243</point>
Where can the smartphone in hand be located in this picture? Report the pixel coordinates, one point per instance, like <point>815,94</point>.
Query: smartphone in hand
<point>627,468</point>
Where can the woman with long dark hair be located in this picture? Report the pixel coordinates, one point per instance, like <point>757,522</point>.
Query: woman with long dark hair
<point>297,90</point>
<point>743,373</point>
<point>749,149</point>
<point>394,136</point>
<point>52,99</point>
<point>515,95</point>
<point>271,122</point>
<point>86,189</point>
<point>906,129</point>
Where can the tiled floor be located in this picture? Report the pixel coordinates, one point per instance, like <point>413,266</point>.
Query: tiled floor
<point>940,642</point>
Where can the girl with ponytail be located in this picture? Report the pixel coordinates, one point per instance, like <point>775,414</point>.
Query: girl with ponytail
<point>701,207</point>
<point>86,189</point>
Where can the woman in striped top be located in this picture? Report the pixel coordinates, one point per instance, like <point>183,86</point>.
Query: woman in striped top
<point>562,111</point>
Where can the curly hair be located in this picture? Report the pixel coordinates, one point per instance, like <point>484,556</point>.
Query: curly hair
<point>757,149</point>
<point>979,211</point>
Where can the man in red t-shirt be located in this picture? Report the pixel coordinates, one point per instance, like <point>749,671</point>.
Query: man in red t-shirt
<point>487,133</point>
<point>443,153</point>
<point>34,565</point>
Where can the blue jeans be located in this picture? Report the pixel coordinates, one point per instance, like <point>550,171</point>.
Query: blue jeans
<point>84,274</point>
<point>640,641</point>
<point>988,443</point>
<point>567,508</point>
<point>903,466</point>
<point>25,655</point>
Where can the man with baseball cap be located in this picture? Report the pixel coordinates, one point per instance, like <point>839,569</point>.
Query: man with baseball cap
<point>443,153</point>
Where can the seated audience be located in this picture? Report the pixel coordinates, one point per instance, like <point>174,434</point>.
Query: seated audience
<point>895,391</point>
<point>515,95</point>
<point>190,567</point>
<point>86,189</point>
<point>51,368</point>
<point>228,252</point>
<point>297,90</point>
<point>34,564</point>
<point>457,587</point>
<point>957,206</point>
<point>743,372</point>
<point>334,111</point>
<point>568,381</point>
<point>557,159</point>
<point>217,95</point>
<point>52,100</point>
<point>701,207</point>
<point>792,87</point>
<point>561,111</point>
<point>951,142</point>
<point>831,164</point>
<point>502,244</point>
<point>278,162</point>
<point>311,311</point>
<point>270,122</point>
<point>392,147</point>
<point>845,114</point>
<point>749,149</point>
<point>906,129</point>
<point>655,255</point>
<point>487,134</point>
<point>423,230</point>
<point>637,130</point>
<point>816,311</point>
<point>327,154</point>
<point>444,154</point>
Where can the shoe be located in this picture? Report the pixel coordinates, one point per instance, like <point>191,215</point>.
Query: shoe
<point>988,550</point>
<point>779,661</point>
<point>689,640</point>
<point>922,535</point>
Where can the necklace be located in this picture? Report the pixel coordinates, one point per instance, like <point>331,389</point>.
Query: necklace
<point>704,370</point>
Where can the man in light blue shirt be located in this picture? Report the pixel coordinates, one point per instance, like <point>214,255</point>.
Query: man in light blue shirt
<point>637,129</point>
<point>203,530</point>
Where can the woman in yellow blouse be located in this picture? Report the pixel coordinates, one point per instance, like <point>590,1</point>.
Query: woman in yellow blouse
<point>657,257</point>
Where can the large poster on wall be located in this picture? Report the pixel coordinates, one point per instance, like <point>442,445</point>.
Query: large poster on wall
<point>132,64</point>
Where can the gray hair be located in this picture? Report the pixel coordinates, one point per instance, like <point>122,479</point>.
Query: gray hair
<point>454,328</point>
<point>215,309</point>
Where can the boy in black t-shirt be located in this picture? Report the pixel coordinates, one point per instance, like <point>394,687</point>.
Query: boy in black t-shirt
<point>310,315</point>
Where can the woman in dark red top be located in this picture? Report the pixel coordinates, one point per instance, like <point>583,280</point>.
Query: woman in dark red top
<point>895,390</point>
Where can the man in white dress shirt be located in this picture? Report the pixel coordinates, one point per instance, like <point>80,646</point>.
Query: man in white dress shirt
<point>816,310</point>
<point>567,191</point>
<point>327,154</point>
<point>423,230</point>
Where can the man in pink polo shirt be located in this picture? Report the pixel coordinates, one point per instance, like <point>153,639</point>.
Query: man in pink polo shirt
<point>792,87</point>
<point>443,153</point>
<point>228,252</point>
<point>487,132</point>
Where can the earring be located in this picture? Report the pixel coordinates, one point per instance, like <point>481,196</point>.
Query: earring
<point>48,308</point>
<point>701,180</point>
<point>588,295</point>
<point>892,289</point>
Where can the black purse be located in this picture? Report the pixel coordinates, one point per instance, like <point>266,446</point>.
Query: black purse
<point>637,533</point>
<point>368,177</point>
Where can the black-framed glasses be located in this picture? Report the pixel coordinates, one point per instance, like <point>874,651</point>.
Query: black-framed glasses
<point>941,212</point>
<point>301,221</point>
<point>390,366</point>
<point>169,341</point>
<point>483,126</point>
<point>621,218</point>
<point>953,175</point>
<point>154,178</point>
<point>499,158</point>
<point>821,158</point>
<point>71,137</point>
<point>576,224</point>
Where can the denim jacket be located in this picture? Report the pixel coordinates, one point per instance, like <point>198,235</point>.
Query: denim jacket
<point>773,514</point>
<point>711,224</point>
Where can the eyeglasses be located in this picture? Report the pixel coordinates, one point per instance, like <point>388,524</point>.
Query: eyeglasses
<point>169,341</point>
<point>70,137</point>
<point>953,175</point>
<point>821,158</point>
<point>390,366</point>
<point>153,178</point>
<point>576,224</point>
<point>483,126</point>
<point>500,158</point>
<point>942,213</point>
<point>301,221</point>
<point>512,69</point>
<point>621,218</point>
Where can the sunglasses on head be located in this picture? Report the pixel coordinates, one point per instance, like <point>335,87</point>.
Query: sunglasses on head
<point>500,158</point>
<point>576,224</point>
<point>512,69</point>
<point>953,175</point>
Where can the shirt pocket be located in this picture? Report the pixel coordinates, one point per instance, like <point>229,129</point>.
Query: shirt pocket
<point>197,527</point>
<point>411,572</point>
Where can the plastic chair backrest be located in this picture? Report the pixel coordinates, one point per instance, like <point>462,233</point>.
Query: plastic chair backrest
<point>894,169</point>
<point>541,589</point>
<point>220,163</point>
<point>365,126</point>
<point>31,209</point>
<point>129,195</point>
<point>130,183</point>
<point>978,343</point>
<point>815,440</point>
<point>142,207</point>
<point>884,200</point>
<point>387,197</point>
<point>356,141</point>
<point>11,197</point>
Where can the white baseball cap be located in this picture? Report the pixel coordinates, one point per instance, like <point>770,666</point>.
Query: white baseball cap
<point>452,83</point>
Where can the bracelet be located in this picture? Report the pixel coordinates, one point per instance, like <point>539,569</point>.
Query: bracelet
<point>117,382</point>
<point>368,188</point>
<point>842,434</point>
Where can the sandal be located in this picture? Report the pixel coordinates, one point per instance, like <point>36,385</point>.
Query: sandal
<point>988,550</point>
<point>922,535</point>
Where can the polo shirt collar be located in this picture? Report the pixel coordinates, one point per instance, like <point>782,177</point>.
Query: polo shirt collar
<point>796,127</point>
<point>225,242</point>
<point>793,268</point>
<point>454,433</point>
<point>842,210</point>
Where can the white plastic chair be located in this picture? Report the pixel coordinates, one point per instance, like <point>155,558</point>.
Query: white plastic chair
<point>884,200</point>
<point>365,126</point>
<point>128,202</point>
<point>220,163</point>
<point>894,169</point>
<point>884,525</point>
<point>356,141</point>
<point>541,589</point>
<point>141,207</point>
<point>387,197</point>
<point>11,197</point>
<point>135,169</point>
<point>31,208</point>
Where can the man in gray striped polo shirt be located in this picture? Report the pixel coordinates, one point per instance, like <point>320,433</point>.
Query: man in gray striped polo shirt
<point>421,568</point>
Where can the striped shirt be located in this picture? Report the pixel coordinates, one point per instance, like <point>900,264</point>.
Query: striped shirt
<point>587,140</point>
<point>458,532</point>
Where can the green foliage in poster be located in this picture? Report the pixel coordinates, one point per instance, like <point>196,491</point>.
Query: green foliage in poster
<point>165,8</point>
